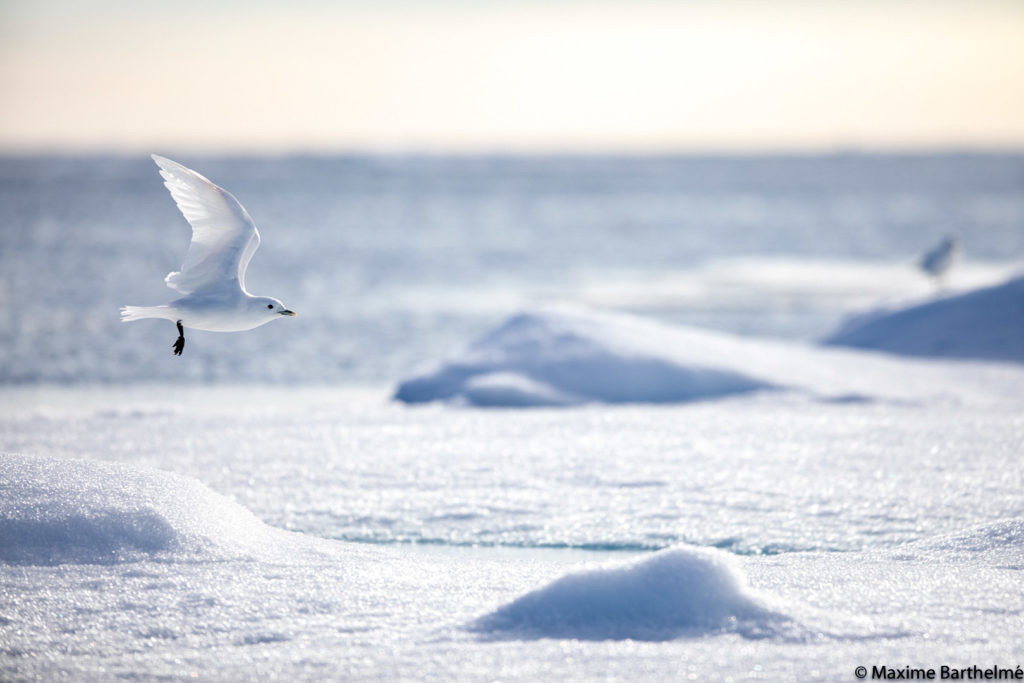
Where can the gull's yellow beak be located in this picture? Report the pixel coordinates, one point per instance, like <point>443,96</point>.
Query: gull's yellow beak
<point>287,312</point>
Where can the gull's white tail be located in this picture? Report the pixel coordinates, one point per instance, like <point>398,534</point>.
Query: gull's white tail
<point>130,313</point>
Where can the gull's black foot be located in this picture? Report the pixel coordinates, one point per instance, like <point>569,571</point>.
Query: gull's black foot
<point>179,344</point>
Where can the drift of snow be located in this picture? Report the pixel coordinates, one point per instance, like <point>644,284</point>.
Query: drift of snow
<point>467,510</point>
<point>991,538</point>
<point>986,323</point>
<point>57,511</point>
<point>684,591</point>
<point>567,356</point>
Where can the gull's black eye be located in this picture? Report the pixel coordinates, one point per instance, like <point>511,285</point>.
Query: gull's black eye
<point>270,305</point>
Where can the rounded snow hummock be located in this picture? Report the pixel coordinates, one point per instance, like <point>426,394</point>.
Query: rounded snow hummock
<point>683,591</point>
<point>566,356</point>
<point>57,511</point>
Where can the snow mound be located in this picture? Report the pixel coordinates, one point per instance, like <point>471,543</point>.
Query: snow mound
<point>569,356</point>
<point>679,592</point>
<point>509,389</point>
<point>1004,535</point>
<point>87,512</point>
<point>984,324</point>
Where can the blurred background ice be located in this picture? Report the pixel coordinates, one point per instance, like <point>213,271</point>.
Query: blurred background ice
<point>392,260</point>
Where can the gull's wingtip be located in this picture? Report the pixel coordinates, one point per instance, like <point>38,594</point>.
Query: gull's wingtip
<point>163,162</point>
<point>170,165</point>
<point>174,172</point>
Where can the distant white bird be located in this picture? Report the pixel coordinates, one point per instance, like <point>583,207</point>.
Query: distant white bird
<point>938,260</point>
<point>212,279</point>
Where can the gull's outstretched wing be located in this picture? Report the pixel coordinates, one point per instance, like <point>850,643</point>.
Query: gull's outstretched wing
<point>224,237</point>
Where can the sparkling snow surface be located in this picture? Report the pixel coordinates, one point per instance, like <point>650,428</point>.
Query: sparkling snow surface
<point>907,517</point>
<point>755,506</point>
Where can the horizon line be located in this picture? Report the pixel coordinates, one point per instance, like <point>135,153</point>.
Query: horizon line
<point>512,151</point>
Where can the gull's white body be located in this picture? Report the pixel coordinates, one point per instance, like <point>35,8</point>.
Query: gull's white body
<point>230,312</point>
<point>212,279</point>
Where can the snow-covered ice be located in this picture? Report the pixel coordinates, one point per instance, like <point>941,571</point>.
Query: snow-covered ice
<point>870,532</point>
<point>80,512</point>
<point>568,356</point>
<point>684,591</point>
<point>396,260</point>
<point>682,487</point>
<point>985,323</point>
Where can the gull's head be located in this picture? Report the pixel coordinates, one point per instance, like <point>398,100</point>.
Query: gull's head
<point>270,307</point>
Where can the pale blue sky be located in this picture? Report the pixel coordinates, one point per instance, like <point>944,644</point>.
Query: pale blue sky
<point>521,76</point>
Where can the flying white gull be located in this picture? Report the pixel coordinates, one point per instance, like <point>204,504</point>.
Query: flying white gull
<point>212,279</point>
